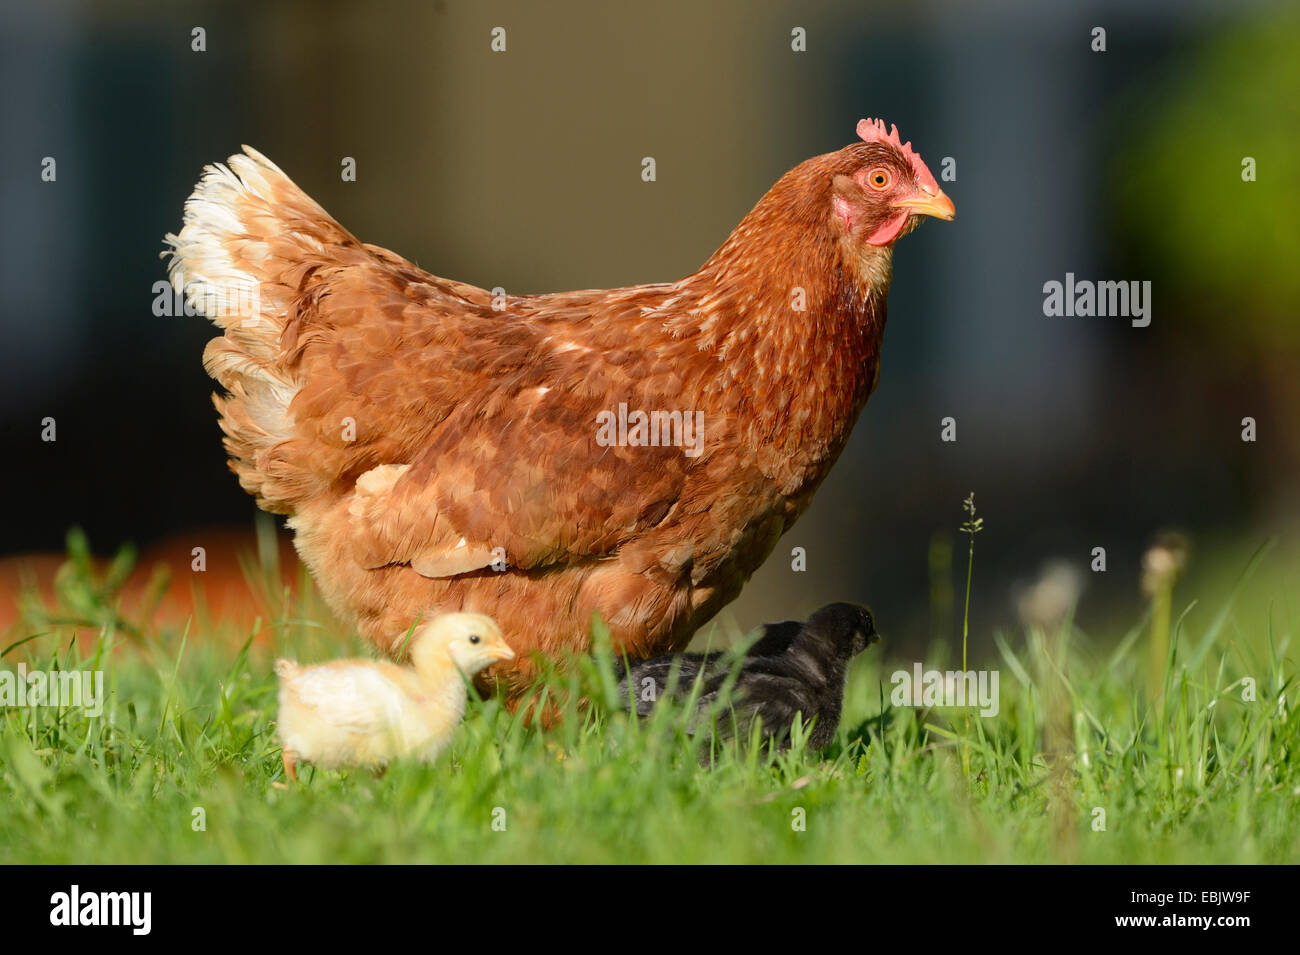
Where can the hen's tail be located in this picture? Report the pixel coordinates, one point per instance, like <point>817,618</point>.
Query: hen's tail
<point>249,245</point>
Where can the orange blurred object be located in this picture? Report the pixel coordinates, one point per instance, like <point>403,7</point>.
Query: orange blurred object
<point>165,589</point>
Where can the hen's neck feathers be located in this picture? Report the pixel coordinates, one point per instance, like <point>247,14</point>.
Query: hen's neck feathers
<point>794,314</point>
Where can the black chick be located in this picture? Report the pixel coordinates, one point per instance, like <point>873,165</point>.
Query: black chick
<point>793,668</point>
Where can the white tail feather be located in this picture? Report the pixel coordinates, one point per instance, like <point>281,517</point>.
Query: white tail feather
<point>222,261</point>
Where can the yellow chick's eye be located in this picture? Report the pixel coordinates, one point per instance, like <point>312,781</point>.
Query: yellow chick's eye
<point>879,178</point>
<point>474,638</point>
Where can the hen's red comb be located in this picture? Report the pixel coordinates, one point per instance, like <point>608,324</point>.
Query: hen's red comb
<point>873,131</point>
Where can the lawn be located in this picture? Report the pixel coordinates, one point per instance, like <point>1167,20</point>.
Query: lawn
<point>1093,757</point>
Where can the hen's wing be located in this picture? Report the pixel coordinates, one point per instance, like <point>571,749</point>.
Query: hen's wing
<point>499,452</point>
<point>482,432</point>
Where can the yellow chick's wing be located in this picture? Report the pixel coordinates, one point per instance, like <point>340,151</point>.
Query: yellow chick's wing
<point>345,713</point>
<point>361,699</point>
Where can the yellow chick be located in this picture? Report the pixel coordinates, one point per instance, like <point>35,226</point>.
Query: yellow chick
<point>369,712</point>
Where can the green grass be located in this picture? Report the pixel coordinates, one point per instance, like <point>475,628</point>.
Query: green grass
<point>1198,775</point>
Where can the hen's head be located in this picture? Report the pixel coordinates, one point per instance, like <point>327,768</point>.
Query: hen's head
<point>886,188</point>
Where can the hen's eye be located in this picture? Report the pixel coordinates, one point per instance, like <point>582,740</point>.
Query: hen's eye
<point>474,638</point>
<point>879,178</point>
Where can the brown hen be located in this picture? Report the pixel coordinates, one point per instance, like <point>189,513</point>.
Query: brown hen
<point>635,452</point>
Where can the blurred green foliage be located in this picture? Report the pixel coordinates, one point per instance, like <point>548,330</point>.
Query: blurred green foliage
<point>1230,249</point>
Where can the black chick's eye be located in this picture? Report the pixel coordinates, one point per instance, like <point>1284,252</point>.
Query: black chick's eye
<point>474,638</point>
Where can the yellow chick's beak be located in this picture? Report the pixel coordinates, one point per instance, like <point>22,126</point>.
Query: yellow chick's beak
<point>502,652</point>
<point>926,204</point>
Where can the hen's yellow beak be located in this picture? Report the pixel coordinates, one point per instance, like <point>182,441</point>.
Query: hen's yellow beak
<point>925,204</point>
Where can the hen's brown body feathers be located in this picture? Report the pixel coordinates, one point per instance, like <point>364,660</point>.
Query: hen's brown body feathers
<point>421,439</point>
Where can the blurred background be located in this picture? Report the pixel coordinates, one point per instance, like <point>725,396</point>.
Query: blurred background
<point>522,169</point>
